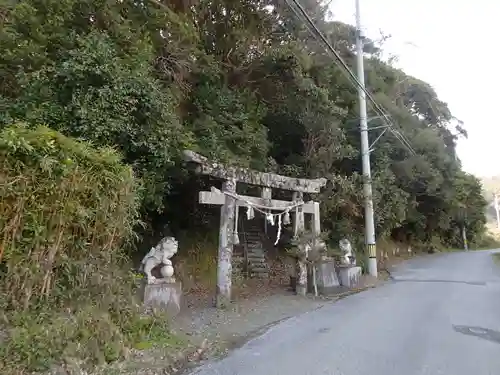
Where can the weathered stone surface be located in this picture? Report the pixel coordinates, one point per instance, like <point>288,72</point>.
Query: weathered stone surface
<point>349,276</point>
<point>299,227</point>
<point>348,258</point>
<point>226,198</point>
<point>165,296</point>
<point>252,177</point>
<point>159,257</point>
<point>218,198</point>
<point>225,254</point>
<point>326,277</point>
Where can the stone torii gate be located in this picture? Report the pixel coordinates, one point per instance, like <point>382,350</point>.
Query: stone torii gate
<point>230,201</point>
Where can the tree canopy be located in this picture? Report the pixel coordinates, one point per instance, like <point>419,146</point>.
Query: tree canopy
<point>242,82</point>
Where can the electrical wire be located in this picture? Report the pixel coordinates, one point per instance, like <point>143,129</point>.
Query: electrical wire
<point>313,29</point>
<point>302,15</point>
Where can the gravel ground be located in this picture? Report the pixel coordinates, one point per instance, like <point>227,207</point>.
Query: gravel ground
<point>220,331</point>
<point>211,333</point>
<point>244,318</point>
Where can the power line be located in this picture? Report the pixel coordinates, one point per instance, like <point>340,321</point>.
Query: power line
<point>302,15</point>
<point>313,29</point>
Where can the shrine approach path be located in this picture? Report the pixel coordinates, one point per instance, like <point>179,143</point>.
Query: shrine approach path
<point>439,314</point>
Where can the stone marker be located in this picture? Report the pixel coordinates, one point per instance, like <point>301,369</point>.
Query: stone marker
<point>349,275</point>
<point>326,276</point>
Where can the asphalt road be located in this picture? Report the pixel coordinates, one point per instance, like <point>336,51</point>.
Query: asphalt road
<point>440,315</point>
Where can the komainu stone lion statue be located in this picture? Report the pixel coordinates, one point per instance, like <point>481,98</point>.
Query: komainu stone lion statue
<point>160,255</point>
<point>348,256</point>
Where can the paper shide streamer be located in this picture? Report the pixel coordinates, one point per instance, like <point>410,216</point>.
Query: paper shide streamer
<point>282,217</point>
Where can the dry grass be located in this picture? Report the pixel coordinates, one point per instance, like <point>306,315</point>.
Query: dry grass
<point>196,268</point>
<point>196,263</point>
<point>66,211</point>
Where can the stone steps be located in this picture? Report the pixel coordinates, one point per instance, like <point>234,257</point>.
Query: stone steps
<point>256,262</point>
<point>239,266</point>
<point>256,259</point>
<point>255,256</point>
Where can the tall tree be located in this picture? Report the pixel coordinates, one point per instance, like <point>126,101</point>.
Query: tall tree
<point>244,82</point>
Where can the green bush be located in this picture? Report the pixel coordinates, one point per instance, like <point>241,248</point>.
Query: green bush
<point>66,212</point>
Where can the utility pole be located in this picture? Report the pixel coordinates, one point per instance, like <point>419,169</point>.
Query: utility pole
<point>464,238</point>
<point>365,151</point>
<point>464,231</point>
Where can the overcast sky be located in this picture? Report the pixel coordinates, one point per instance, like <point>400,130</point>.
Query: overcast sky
<point>445,43</point>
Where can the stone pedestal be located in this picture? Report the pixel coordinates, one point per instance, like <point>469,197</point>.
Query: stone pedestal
<point>326,277</point>
<point>301,290</point>
<point>293,283</point>
<point>349,276</point>
<point>162,295</point>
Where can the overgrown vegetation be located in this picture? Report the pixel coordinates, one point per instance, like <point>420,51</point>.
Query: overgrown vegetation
<point>242,82</point>
<point>65,211</point>
<point>238,81</point>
